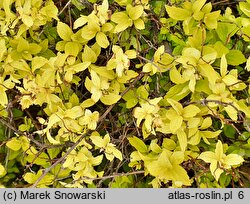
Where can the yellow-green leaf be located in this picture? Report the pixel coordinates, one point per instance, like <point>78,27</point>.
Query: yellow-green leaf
<point>3,97</point>
<point>117,154</point>
<point>235,57</point>
<point>197,5</point>
<point>51,139</point>
<point>80,66</point>
<point>178,13</point>
<point>14,144</point>
<point>168,144</point>
<point>38,62</point>
<point>30,177</point>
<point>64,31</point>
<point>245,8</point>
<point>138,144</point>
<point>219,150</point>
<point>97,140</point>
<point>210,134</point>
<point>131,54</point>
<point>175,124</point>
<point>27,20</point>
<point>139,24</point>
<point>248,64</point>
<point>206,123</point>
<point>88,55</point>
<point>210,19</point>
<point>110,98</point>
<point>223,66</point>
<point>233,159</point>
<point>208,71</point>
<point>80,22</point>
<point>176,105</point>
<point>182,138</point>
<point>190,111</point>
<point>2,171</point>
<point>208,157</point>
<point>72,48</point>
<point>102,40</point>
<point>122,20</point>
<point>175,76</point>
<point>22,45</point>
<point>134,12</point>
<point>232,112</point>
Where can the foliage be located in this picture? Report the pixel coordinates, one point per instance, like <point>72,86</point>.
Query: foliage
<point>124,93</point>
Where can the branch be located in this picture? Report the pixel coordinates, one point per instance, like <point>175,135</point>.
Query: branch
<point>104,115</point>
<point>112,176</point>
<point>47,170</point>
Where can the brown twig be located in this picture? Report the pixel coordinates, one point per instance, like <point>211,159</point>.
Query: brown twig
<point>47,170</point>
<point>112,176</point>
<point>104,115</point>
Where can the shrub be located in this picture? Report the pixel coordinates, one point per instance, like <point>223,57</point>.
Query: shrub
<point>124,93</point>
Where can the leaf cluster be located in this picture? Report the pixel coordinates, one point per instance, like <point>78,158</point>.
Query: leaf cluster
<point>124,93</point>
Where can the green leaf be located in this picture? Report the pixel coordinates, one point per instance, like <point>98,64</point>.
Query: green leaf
<point>225,31</point>
<point>131,103</point>
<point>235,57</point>
<point>138,144</point>
<point>142,93</point>
<point>53,152</point>
<point>225,179</point>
